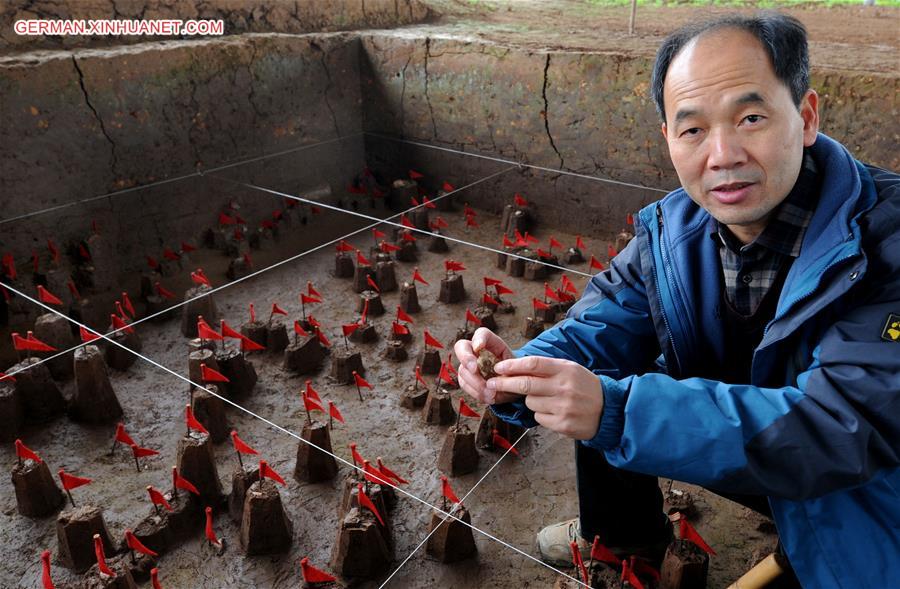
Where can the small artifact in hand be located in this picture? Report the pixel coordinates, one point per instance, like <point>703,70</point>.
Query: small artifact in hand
<point>486,361</point>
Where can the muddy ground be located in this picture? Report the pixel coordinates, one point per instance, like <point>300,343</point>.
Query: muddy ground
<point>518,497</point>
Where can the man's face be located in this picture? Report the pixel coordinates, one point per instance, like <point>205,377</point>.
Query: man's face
<point>734,134</point>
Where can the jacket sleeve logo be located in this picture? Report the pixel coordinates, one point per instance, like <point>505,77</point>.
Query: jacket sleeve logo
<point>891,331</point>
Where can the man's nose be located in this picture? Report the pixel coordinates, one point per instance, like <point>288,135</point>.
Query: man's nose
<point>725,150</point>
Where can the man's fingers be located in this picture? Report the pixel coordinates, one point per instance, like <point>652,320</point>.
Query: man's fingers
<point>531,365</point>
<point>539,404</point>
<point>520,385</point>
<point>464,352</point>
<point>485,339</point>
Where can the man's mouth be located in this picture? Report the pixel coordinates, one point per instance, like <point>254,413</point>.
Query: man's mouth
<point>732,193</point>
<point>732,187</point>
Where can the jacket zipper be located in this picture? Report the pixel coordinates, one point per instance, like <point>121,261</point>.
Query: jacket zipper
<point>659,219</point>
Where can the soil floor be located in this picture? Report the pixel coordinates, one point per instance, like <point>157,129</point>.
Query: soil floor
<point>510,503</point>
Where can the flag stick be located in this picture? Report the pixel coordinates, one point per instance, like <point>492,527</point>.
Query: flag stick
<point>240,460</point>
<point>174,486</point>
<point>136,463</point>
<point>71,500</point>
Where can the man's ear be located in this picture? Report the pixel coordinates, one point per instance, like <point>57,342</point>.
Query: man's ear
<point>665,131</point>
<point>809,112</point>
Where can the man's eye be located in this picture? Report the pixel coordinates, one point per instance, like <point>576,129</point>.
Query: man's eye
<point>690,132</point>
<point>753,119</point>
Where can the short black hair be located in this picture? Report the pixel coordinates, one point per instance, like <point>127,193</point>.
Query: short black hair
<point>782,36</point>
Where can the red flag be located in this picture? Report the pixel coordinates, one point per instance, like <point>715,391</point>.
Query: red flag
<point>578,561</point>
<point>413,175</point>
<point>204,331</point>
<point>360,381</point>
<point>467,411</point>
<point>311,392</point>
<point>407,236</point>
<point>134,544</point>
<point>31,343</point>
<point>170,255</point>
<point>228,332</point>
<point>568,286</point>
<point>72,289</point>
<point>361,259</point>
<point>186,247</point>
<point>596,264</point>
<point>687,532</point>
<point>240,445</point>
<point>447,187</point>
<point>471,318</point>
<point>539,305</point>
<point>471,222</point>
<point>357,457</point>
<point>489,282</point>
<point>550,293</point>
<point>389,473</point>
<point>603,554</point>
<point>418,277</point>
<point>157,498</point>
<point>126,302</point>
<point>406,222</point>
<point>399,328</point>
<point>402,315</point>
<point>298,329</point>
<point>444,374</point>
<point>447,490</point>
<point>629,576</point>
<point>554,243</point>
<point>226,220</point>
<point>166,294</point>
<point>349,328</point>
<point>309,300</point>
<point>207,374</point>
<point>122,436</point>
<point>45,296</point>
<point>313,575</point>
<point>489,300</point>
<point>54,251</point>
<point>629,219</point>
<point>311,290</point>
<point>364,501</point>
<point>140,452</point>
<point>419,376</point>
<point>611,251</point>
<point>373,475</point>
<point>182,483</point>
<point>542,254</point>
<point>333,412</point>
<point>502,290</point>
<point>499,440</point>
<point>343,246</point>
<point>266,471</point>
<point>371,283</point>
<point>520,202</point>
<point>45,570</point>
<point>579,243</point>
<point>9,266</point>
<point>378,234</point>
<point>248,345</point>
<point>311,404</point>
<point>101,557</point>
<point>388,247</point>
<point>365,312</point>
<point>413,201</point>
<point>428,204</point>
<point>26,453</point>
<point>199,278</point>
<point>192,422</point>
<point>430,341</point>
<point>440,223</point>
<point>4,376</point>
<point>210,532</point>
<point>70,481</point>
<point>276,310</point>
<point>507,242</point>
<point>86,336</point>
<point>154,578</point>
<point>452,266</point>
<point>322,339</point>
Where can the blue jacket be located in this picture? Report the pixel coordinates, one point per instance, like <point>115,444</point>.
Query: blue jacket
<point>817,429</point>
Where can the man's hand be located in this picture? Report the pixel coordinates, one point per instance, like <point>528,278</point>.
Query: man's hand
<point>470,379</point>
<point>565,397</point>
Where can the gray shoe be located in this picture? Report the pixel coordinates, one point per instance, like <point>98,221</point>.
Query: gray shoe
<point>554,545</point>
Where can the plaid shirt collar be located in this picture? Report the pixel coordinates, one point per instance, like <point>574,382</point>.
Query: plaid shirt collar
<point>785,231</point>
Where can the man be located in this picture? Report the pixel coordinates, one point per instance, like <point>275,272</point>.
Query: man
<point>742,340</point>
